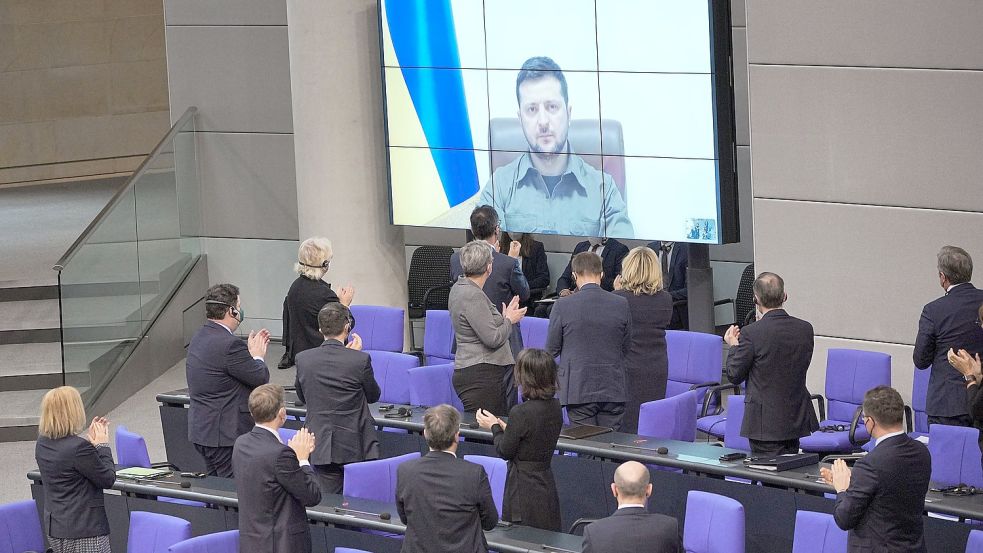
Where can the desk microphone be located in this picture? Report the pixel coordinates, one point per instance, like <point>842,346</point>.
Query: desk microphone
<point>385,515</point>
<point>182,484</point>
<point>661,450</point>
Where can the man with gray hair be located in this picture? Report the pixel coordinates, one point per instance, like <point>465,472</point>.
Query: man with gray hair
<point>445,502</point>
<point>632,528</point>
<point>949,322</point>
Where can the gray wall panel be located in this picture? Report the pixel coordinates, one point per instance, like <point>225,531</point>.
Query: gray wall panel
<point>907,138</point>
<point>239,77</point>
<point>737,13</point>
<point>741,116</point>
<point>874,33</point>
<point>225,12</point>
<point>902,370</point>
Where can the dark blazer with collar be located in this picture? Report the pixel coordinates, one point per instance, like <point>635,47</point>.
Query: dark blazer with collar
<point>882,508</point>
<point>591,333</point>
<point>773,356</point>
<point>678,262</point>
<point>304,300</point>
<point>506,279</point>
<point>273,491</point>
<point>221,373</point>
<point>612,255</point>
<point>337,384</point>
<point>536,268</point>
<point>74,473</point>
<point>633,529</point>
<point>948,322</point>
<point>445,502</point>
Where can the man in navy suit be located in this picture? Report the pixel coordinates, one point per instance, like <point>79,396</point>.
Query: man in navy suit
<point>632,528</point>
<point>674,259</point>
<point>880,501</point>
<point>949,322</point>
<point>612,254</point>
<point>591,333</point>
<point>274,482</point>
<point>221,370</point>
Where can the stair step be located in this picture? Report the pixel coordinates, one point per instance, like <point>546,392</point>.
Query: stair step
<point>26,293</point>
<point>29,359</point>
<point>36,336</point>
<point>29,315</point>
<point>20,408</point>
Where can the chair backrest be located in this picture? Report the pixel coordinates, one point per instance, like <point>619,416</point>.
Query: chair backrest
<point>219,542</point>
<point>817,533</point>
<point>381,328</point>
<point>955,455</point>
<point>429,266</point>
<point>849,374</point>
<point>438,337</point>
<point>744,299</point>
<point>432,385</point>
<point>694,358</point>
<point>672,418</point>
<point>131,449</point>
<point>20,527</point>
<point>392,373</point>
<point>496,469</point>
<point>286,434</point>
<point>975,542</point>
<point>919,389</point>
<point>732,427</point>
<point>714,524</point>
<point>375,480</point>
<point>155,533</point>
<point>533,331</point>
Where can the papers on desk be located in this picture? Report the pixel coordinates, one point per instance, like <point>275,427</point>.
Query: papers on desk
<point>700,460</point>
<point>787,461</point>
<point>140,473</point>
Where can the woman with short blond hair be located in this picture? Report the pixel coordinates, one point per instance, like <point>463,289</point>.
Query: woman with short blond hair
<point>75,471</point>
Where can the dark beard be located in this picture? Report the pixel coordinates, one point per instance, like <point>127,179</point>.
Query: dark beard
<point>548,156</point>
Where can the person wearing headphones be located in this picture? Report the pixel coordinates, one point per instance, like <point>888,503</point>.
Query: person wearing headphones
<point>222,370</point>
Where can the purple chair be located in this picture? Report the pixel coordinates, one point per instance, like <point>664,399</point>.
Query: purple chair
<point>817,533</point>
<point>131,451</point>
<point>392,373</point>
<point>695,363</point>
<point>714,524</point>
<point>155,533</point>
<point>975,542</point>
<point>919,389</point>
<point>349,550</point>
<point>438,337</point>
<point>735,416</point>
<point>219,542</point>
<point>375,480</point>
<point>432,385</point>
<point>286,434</point>
<point>715,424</point>
<point>672,418</point>
<point>496,469</point>
<point>955,455</point>
<point>533,331</point>
<point>20,527</point>
<point>381,328</point>
<point>849,374</point>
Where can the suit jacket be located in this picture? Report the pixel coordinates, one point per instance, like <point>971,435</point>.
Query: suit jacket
<point>882,508</point>
<point>337,384</point>
<point>273,491</point>
<point>612,255</point>
<point>74,473</point>
<point>647,362</point>
<point>678,263</point>
<point>974,402</point>
<point>536,268</point>
<point>631,530</point>
<point>304,300</point>
<point>948,322</point>
<point>591,333</point>
<point>505,281</point>
<point>221,374</point>
<point>772,357</point>
<point>445,502</point>
<point>481,333</point>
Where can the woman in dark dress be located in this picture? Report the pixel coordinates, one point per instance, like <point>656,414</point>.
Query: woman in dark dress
<point>532,255</point>
<point>647,364</point>
<point>527,442</point>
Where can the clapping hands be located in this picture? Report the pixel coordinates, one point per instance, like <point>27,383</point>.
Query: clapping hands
<point>512,311</point>
<point>98,432</point>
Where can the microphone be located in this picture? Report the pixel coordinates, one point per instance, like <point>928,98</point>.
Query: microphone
<point>385,515</point>
<point>662,450</point>
<point>184,484</point>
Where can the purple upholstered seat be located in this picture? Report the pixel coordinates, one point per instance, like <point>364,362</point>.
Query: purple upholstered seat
<point>817,533</point>
<point>695,363</point>
<point>392,373</point>
<point>735,416</point>
<point>496,469</point>
<point>432,385</point>
<point>438,337</point>
<point>975,542</point>
<point>919,390</point>
<point>219,542</point>
<point>533,331</point>
<point>955,455</point>
<point>131,451</point>
<point>672,418</point>
<point>20,527</point>
<point>155,532</point>
<point>374,480</point>
<point>381,328</point>
<point>714,524</point>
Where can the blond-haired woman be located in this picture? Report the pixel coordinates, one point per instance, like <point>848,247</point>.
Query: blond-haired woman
<point>307,295</point>
<point>647,364</point>
<point>75,470</point>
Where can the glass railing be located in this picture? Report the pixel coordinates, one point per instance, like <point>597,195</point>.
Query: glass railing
<point>117,277</point>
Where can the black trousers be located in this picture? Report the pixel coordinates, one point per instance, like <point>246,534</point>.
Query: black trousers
<point>330,477</point>
<point>608,414</point>
<point>481,387</point>
<point>762,448</point>
<point>218,460</point>
<point>959,420</point>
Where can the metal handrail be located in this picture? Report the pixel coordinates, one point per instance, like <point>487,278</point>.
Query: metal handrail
<point>123,189</point>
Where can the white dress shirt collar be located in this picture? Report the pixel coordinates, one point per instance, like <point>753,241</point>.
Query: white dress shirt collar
<point>886,436</point>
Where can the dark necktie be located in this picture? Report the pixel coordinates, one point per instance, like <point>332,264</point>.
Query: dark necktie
<point>665,264</point>
<point>593,249</point>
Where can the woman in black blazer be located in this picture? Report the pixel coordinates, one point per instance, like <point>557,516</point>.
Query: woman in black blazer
<point>647,364</point>
<point>533,257</point>
<point>75,471</point>
<point>527,442</point>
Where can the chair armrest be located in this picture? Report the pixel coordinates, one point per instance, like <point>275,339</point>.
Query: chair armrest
<point>853,429</point>
<point>703,385</point>
<point>715,391</point>
<point>821,403</point>
<point>165,466</point>
<point>723,301</point>
<point>426,294</point>
<point>909,417</point>
<point>579,524</point>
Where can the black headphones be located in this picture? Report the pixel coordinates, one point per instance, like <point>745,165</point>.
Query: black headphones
<point>958,490</point>
<point>835,428</point>
<point>323,265</point>
<point>232,309</point>
<point>400,413</point>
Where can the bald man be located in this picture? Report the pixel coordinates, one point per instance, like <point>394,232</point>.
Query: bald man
<point>632,529</point>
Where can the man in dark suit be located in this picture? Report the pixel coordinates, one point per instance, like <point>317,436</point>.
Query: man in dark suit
<point>632,528</point>
<point>880,501</point>
<point>949,322</point>
<point>222,369</point>
<point>591,333</point>
<point>772,355</point>
<point>674,259</point>
<point>445,502</point>
<point>612,254</point>
<point>274,482</point>
<point>337,384</point>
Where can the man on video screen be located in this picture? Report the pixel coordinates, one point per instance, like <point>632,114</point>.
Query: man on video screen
<point>550,189</point>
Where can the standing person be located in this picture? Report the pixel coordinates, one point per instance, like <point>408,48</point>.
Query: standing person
<point>969,366</point>
<point>532,260</point>
<point>880,502</point>
<point>75,471</point>
<point>674,260</point>
<point>337,384</point>
<point>306,296</point>
<point>221,370</point>
<point>591,333</point>
<point>647,363</point>
<point>481,333</point>
<point>528,441</point>
<point>949,323</point>
<point>274,482</point>
<point>772,355</point>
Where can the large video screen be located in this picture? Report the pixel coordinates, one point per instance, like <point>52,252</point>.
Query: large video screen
<point>606,118</point>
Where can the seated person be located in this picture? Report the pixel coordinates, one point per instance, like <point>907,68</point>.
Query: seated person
<point>674,259</point>
<point>612,254</point>
<point>532,257</point>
